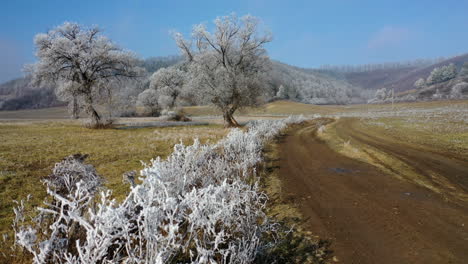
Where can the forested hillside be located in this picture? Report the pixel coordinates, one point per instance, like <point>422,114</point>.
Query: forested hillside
<point>312,87</point>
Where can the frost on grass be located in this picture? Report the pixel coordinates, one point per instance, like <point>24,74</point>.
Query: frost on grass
<point>200,205</point>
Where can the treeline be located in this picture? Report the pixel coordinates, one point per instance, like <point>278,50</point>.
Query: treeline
<point>153,64</point>
<point>288,82</point>
<point>19,94</point>
<point>382,66</point>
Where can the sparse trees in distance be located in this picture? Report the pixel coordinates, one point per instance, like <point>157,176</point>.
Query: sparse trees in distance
<point>82,62</point>
<point>442,74</point>
<point>420,83</point>
<point>227,67</point>
<point>382,66</point>
<point>282,92</point>
<point>458,90</point>
<point>464,71</point>
<point>381,94</point>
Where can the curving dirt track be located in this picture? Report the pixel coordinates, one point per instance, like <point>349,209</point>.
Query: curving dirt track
<point>371,217</point>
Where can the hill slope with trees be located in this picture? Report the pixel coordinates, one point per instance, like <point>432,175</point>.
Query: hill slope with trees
<point>298,85</point>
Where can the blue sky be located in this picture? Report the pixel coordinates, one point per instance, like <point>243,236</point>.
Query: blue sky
<point>306,33</point>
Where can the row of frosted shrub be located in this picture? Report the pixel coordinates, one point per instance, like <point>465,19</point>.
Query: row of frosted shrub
<point>200,205</point>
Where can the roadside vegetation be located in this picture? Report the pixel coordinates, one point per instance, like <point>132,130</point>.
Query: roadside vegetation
<point>215,213</point>
<point>29,151</point>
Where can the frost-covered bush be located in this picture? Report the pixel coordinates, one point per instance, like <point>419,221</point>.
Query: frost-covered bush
<point>72,187</point>
<point>169,83</point>
<point>200,205</point>
<point>463,74</point>
<point>458,90</point>
<point>437,95</point>
<point>420,83</point>
<point>174,115</point>
<point>381,94</point>
<point>149,99</point>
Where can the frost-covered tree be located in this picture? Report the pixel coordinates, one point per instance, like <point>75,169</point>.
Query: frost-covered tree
<point>381,94</point>
<point>442,74</point>
<point>282,92</point>
<point>459,90</point>
<point>169,83</point>
<point>82,62</point>
<point>420,83</point>
<point>149,99</point>
<point>227,66</point>
<point>464,71</point>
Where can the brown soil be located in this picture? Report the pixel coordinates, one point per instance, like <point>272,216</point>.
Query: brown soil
<point>369,216</point>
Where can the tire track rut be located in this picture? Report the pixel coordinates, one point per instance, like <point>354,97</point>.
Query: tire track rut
<point>369,216</point>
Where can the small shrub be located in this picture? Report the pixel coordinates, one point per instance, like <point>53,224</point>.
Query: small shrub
<point>459,90</point>
<point>103,124</point>
<point>176,115</point>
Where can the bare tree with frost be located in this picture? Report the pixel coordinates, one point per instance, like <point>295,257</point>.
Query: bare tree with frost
<point>81,61</point>
<point>227,66</point>
<point>169,83</point>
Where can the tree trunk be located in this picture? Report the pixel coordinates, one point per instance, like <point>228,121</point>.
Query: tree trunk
<point>173,102</point>
<point>95,118</point>
<point>74,108</point>
<point>229,120</point>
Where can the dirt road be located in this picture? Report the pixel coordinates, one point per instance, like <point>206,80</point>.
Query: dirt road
<point>369,216</point>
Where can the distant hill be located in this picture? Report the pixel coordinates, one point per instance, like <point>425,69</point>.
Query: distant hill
<point>406,82</point>
<point>377,78</point>
<point>400,78</point>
